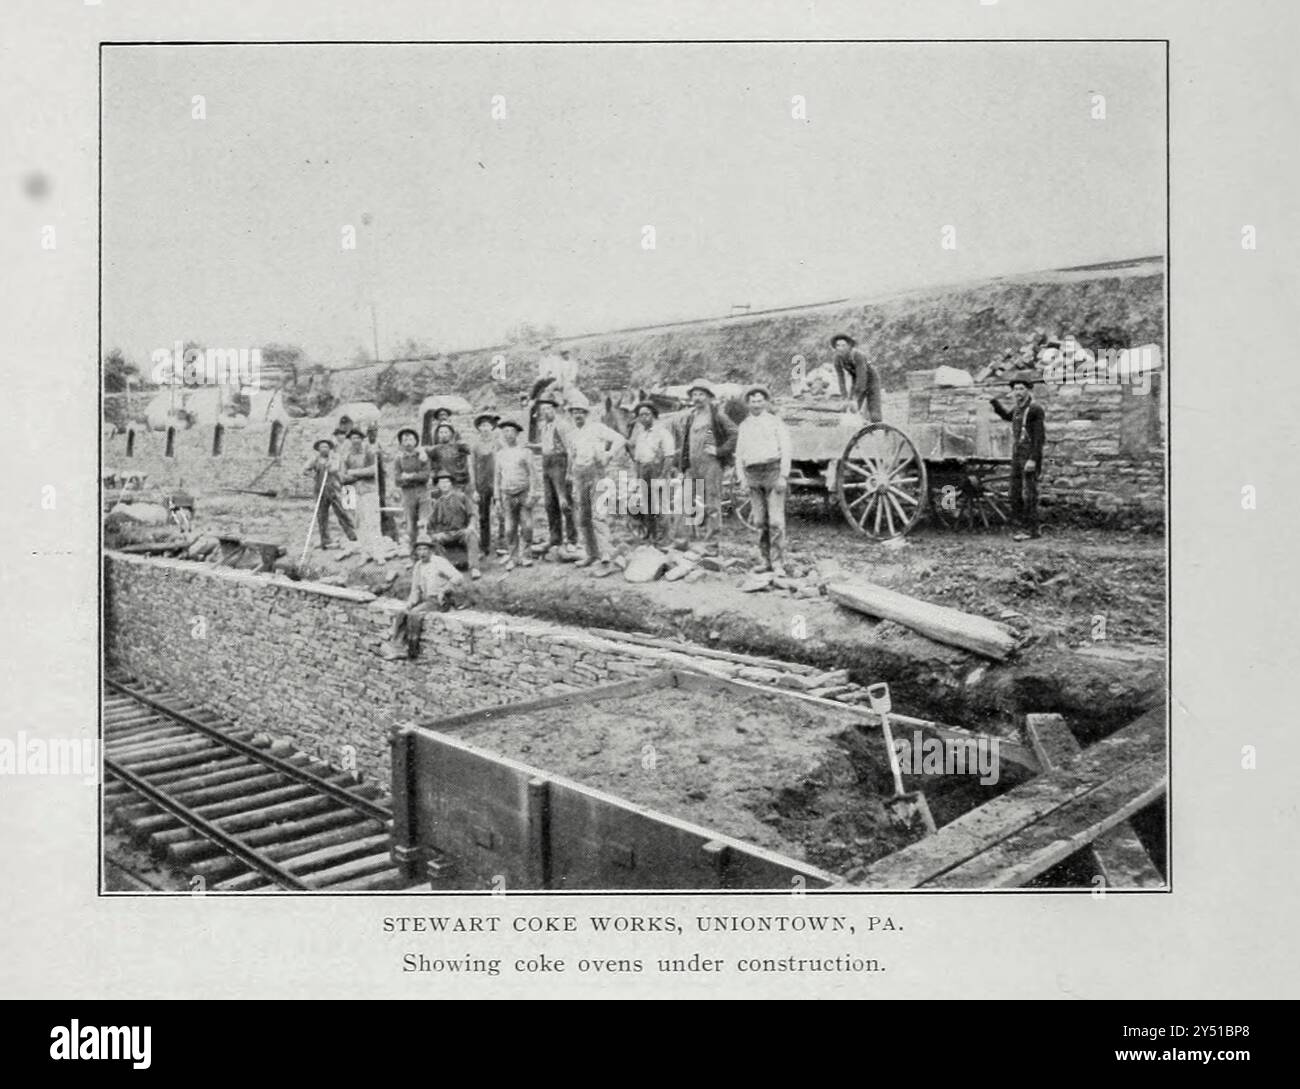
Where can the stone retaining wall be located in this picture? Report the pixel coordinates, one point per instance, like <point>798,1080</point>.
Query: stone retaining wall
<point>300,660</point>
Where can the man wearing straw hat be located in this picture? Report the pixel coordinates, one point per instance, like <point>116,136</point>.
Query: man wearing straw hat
<point>651,447</point>
<point>325,467</point>
<point>513,485</point>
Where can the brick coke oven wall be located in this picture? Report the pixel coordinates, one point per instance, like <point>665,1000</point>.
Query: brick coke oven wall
<point>300,660</point>
<point>1105,448</point>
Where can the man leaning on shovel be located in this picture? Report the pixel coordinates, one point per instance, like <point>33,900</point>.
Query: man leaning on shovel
<point>326,467</point>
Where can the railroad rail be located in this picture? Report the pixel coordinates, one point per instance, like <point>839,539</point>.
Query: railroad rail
<point>231,807</point>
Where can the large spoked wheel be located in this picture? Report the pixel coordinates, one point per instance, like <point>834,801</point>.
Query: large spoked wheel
<point>881,482</point>
<point>979,495</point>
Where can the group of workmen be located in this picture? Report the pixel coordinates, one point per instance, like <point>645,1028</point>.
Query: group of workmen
<point>451,488</point>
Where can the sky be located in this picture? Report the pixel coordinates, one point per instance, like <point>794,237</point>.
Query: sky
<point>229,230</point>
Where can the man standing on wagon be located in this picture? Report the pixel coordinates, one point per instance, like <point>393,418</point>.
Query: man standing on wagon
<point>859,380</point>
<point>1028,432</point>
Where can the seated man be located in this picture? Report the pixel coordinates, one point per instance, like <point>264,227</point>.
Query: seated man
<point>452,520</point>
<point>432,578</point>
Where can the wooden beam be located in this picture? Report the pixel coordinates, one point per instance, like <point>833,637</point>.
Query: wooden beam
<point>1118,855</point>
<point>1041,845</point>
<point>938,622</point>
<point>981,829</point>
<point>587,695</point>
<point>705,652</point>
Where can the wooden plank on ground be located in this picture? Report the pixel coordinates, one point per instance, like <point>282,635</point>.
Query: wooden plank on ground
<point>1041,845</point>
<point>587,695</point>
<point>1118,855</point>
<point>982,828</point>
<point>938,622</point>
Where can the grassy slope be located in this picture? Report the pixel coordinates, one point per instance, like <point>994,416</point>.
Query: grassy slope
<point>963,326</point>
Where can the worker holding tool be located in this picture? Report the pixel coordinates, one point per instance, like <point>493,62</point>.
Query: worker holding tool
<point>859,380</point>
<point>433,579</point>
<point>411,469</point>
<point>326,467</point>
<point>1028,433</point>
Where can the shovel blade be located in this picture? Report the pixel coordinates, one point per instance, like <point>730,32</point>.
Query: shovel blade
<point>911,812</point>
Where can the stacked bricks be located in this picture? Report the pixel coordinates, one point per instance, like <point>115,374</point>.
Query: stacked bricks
<point>1105,448</point>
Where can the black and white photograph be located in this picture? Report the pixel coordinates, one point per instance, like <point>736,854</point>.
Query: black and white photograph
<point>561,501</point>
<point>634,466</point>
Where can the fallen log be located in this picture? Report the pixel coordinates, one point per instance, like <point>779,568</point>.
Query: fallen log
<point>938,622</point>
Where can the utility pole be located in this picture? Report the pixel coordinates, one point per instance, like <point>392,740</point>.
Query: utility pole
<point>374,326</point>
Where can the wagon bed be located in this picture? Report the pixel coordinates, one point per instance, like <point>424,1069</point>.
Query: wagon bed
<point>887,477</point>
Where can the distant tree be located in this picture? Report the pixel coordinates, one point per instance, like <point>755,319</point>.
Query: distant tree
<point>414,348</point>
<point>116,370</point>
<point>527,333</point>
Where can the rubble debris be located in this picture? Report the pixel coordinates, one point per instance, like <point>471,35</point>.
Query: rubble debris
<point>646,564</point>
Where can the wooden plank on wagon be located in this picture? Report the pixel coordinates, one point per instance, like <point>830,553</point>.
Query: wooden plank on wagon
<point>938,622</point>
<point>1118,855</point>
<point>982,828</point>
<point>1041,845</point>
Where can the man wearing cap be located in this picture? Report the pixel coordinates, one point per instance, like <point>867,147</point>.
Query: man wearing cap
<point>1028,432</point>
<point>859,380</point>
<point>450,455</point>
<point>483,448</point>
<point>652,449</point>
<point>432,579</point>
<point>706,444</point>
<point>590,444</point>
<point>451,520</point>
<point>555,474</point>
<point>513,485</point>
<point>358,472</point>
<point>411,469</point>
<point>325,468</point>
<point>763,452</point>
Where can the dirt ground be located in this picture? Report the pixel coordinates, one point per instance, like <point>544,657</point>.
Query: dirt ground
<point>767,770</point>
<point>1090,602</point>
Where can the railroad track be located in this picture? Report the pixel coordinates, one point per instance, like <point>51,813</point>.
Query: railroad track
<point>231,807</point>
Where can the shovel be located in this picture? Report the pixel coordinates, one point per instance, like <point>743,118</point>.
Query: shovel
<point>908,811</point>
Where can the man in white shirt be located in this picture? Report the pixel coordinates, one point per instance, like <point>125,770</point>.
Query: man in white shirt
<point>560,369</point>
<point>432,577</point>
<point>590,444</point>
<point>763,455</point>
<point>651,446</point>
